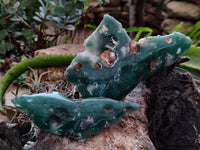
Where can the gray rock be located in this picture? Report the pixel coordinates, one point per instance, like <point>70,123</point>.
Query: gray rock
<point>193,1</point>
<point>169,24</point>
<point>185,10</point>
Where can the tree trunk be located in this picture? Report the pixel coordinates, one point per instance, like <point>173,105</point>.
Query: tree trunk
<point>136,14</point>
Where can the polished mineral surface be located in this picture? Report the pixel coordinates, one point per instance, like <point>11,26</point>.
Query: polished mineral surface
<point>75,119</point>
<point>113,64</point>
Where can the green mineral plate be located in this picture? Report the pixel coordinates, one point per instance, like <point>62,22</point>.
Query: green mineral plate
<point>113,64</point>
<point>75,119</point>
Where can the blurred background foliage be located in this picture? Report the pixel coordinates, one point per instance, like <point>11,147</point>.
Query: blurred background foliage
<point>192,66</point>
<point>23,23</point>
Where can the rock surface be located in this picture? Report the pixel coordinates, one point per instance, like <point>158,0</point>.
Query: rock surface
<point>55,73</point>
<point>172,128</point>
<point>183,10</point>
<point>169,24</point>
<point>129,134</point>
<point>10,135</point>
<point>64,49</point>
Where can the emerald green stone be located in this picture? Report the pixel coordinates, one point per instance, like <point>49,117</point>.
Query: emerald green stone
<point>112,64</point>
<point>75,119</point>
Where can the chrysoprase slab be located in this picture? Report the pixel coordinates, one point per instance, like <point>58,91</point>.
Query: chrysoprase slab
<point>112,64</point>
<point>75,119</point>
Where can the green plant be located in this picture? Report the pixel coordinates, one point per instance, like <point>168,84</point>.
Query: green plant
<point>37,62</point>
<point>139,31</point>
<point>193,66</point>
<point>178,27</point>
<point>193,33</point>
<point>34,86</point>
<point>23,23</point>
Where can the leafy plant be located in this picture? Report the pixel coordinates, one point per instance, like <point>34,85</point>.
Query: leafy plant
<point>23,23</point>
<point>193,33</point>
<point>139,31</point>
<point>35,81</point>
<point>193,66</point>
<point>178,27</point>
<point>37,62</point>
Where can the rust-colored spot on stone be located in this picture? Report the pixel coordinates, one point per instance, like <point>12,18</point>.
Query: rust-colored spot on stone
<point>98,29</point>
<point>112,97</point>
<point>188,38</point>
<point>115,42</point>
<point>95,84</point>
<point>141,76</point>
<point>168,40</point>
<point>97,65</point>
<point>107,124</point>
<point>107,108</point>
<point>153,65</point>
<point>134,46</point>
<point>107,58</point>
<point>104,28</point>
<point>77,67</point>
<point>125,109</point>
<point>84,124</point>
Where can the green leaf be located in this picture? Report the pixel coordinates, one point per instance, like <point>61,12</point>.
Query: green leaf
<point>2,49</point>
<point>12,10</point>
<point>41,2</point>
<point>28,34</point>
<point>17,33</point>
<point>37,18</point>
<point>2,60</point>
<point>17,4</point>
<point>70,27</point>
<point>194,54</point>
<point>60,2</point>
<point>68,6</point>
<point>57,19</point>
<point>73,19</point>
<point>194,33</point>
<point>60,11</point>
<point>9,46</point>
<point>178,27</point>
<point>135,29</point>
<point>193,66</point>
<point>90,26</point>
<point>6,2</point>
<point>139,31</point>
<point>3,34</point>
